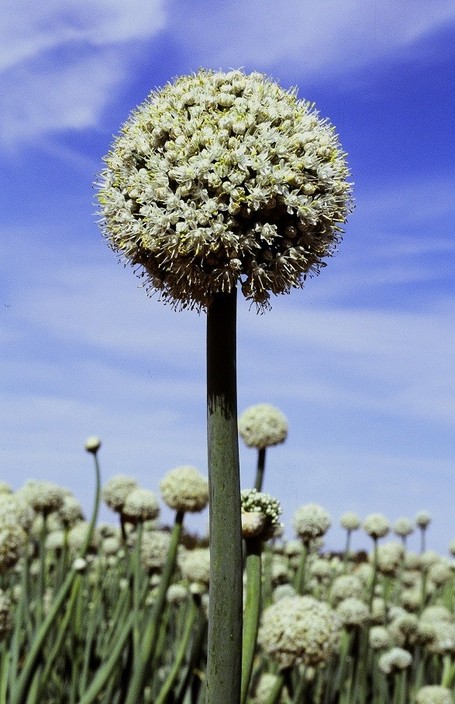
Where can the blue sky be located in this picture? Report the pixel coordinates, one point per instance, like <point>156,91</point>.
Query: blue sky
<point>361,361</point>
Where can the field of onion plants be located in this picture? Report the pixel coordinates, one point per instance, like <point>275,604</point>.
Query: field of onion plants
<point>114,614</point>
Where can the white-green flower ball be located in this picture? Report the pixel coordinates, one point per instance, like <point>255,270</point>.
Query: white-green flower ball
<point>434,694</point>
<point>299,629</point>
<point>154,549</point>
<point>403,527</point>
<point>353,612</point>
<point>44,497</point>
<point>220,178</point>
<point>12,545</point>
<point>311,521</point>
<point>140,505</point>
<point>185,489</point>
<point>376,525</point>
<point>116,490</point>
<point>423,519</point>
<point>263,425</point>
<point>195,565</point>
<point>394,660</point>
<point>350,521</point>
<point>260,514</point>
<point>6,612</point>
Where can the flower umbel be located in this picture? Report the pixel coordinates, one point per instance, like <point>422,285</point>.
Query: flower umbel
<point>224,177</point>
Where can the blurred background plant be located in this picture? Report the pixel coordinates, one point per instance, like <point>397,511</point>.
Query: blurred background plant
<point>114,613</point>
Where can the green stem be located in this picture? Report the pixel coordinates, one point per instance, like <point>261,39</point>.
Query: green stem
<point>299,582</point>
<point>20,688</point>
<point>162,698</point>
<point>277,688</point>
<point>107,669</point>
<point>258,482</point>
<point>225,605</point>
<point>252,610</point>
<point>144,657</point>
<point>375,574</point>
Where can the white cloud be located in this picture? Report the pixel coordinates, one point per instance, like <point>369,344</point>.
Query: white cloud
<point>62,63</point>
<point>29,29</point>
<point>316,37</point>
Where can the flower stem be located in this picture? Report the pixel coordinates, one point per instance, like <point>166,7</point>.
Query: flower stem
<point>260,468</point>
<point>144,659</point>
<point>225,606</point>
<point>252,610</point>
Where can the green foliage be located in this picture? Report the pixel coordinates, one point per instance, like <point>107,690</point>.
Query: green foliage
<point>113,618</point>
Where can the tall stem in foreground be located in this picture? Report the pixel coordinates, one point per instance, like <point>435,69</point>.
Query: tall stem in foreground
<point>225,605</point>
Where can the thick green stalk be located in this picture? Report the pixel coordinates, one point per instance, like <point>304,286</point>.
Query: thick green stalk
<point>299,580</point>
<point>260,468</point>
<point>225,605</point>
<point>253,548</point>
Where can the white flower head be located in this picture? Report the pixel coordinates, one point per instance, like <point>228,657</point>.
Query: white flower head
<point>394,660</point>
<point>299,629</point>
<point>376,525</point>
<point>260,513</point>
<point>263,425</point>
<point>220,178</point>
<point>311,521</point>
<point>434,694</point>
<point>184,488</point>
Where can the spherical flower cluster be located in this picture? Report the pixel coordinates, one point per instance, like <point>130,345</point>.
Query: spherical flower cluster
<point>224,177</point>
<point>353,612</point>
<point>379,638</point>
<point>140,505</point>
<point>195,565</point>
<point>442,639</point>
<point>176,593</point>
<point>389,557</point>
<point>321,569</point>
<point>394,660</point>
<point>12,543</point>
<point>262,426</point>
<point>440,573</point>
<point>77,536</point>
<point>5,614</point>
<point>92,444</point>
<point>345,586</point>
<point>403,527</point>
<point>423,519</point>
<point>55,540</point>
<point>116,490</point>
<point>311,521</point>
<point>350,521</point>
<point>376,525</point>
<point>185,489</point>
<point>260,513</point>
<point>16,510</point>
<point>299,629</point>
<point>70,512</point>
<point>434,694</point>
<point>43,496</point>
<point>154,549</point>
<point>5,489</point>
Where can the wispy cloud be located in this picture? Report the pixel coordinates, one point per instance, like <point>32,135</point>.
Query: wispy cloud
<point>30,29</point>
<point>61,65</point>
<point>324,37</point>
